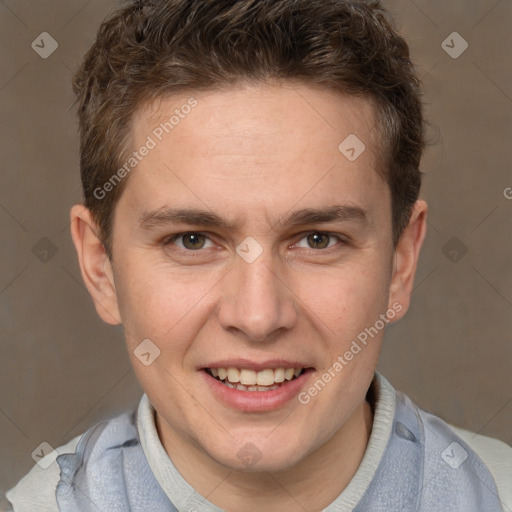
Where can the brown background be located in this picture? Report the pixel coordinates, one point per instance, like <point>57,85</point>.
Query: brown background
<point>62,370</point>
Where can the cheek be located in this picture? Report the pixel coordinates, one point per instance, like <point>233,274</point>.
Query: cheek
<point>155,302</point>
<point>346,298</point>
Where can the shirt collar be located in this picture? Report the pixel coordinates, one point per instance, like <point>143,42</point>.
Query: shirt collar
<point>382,397</point>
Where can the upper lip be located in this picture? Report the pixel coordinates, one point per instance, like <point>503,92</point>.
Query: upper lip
<point>256,366</point>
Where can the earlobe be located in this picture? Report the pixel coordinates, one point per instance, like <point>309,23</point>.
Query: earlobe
<point>406,257</point>
<point>95,265</point>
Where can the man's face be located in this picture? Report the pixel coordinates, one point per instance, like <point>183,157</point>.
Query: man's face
<point>265,293</point>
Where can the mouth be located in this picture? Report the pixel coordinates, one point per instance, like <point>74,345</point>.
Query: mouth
<point>249,386</point>
<point>244,379</point>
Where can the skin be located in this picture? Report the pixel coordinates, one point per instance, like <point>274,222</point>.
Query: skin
<point>253,154</point>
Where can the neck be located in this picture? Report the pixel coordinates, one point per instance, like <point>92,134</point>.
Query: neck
<point>312,484</point>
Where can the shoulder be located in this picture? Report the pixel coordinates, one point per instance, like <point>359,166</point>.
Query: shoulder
<point>496,455</point>
<point>489,455</point>
<point>36,490</point>
<point>489,466</point>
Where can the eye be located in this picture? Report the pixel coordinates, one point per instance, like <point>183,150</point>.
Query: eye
<point>319,240</point>
<point>191,240</point>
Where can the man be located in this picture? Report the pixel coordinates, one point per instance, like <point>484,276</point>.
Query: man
<point>251,217</point>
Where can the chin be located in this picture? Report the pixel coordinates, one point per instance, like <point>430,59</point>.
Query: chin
<point>258,454</point>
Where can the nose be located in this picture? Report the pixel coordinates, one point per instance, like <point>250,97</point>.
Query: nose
<point>256,300</point>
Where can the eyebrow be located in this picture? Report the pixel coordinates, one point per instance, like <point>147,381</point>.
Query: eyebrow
<point>194,216</point>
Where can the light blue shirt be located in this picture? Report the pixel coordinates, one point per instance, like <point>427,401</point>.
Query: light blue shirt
<point>413,462</point>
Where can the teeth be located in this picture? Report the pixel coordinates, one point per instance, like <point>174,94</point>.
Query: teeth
<point>265,378</point>
<point>241,387</point>
<point>247,377</point>
<point>279,375</point>
<point>233,375</point>
<point>252,380</point>
<point>288,373</point>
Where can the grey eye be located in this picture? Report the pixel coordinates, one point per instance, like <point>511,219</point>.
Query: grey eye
<point>318,240</point>
<point>191,241</point>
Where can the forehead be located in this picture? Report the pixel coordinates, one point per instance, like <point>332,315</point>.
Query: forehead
<point>255,145</point>
<point>256,113</point>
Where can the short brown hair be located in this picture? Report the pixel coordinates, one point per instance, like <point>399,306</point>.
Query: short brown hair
<point>151,48</point>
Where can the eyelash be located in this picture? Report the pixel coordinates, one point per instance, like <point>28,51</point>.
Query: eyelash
<point>341,241</point>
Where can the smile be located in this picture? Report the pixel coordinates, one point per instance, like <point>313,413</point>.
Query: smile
<point>251,380</point>
<point>255,390</point>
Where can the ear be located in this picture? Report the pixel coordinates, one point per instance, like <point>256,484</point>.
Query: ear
<point>406,257</point>
<point>94,264</point>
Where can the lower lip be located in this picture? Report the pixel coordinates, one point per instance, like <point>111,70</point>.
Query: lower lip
<point>255,401</point>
